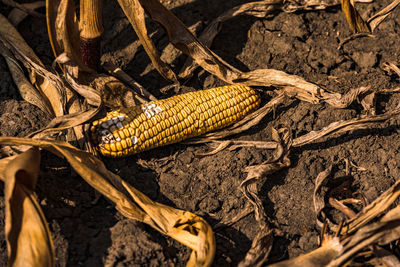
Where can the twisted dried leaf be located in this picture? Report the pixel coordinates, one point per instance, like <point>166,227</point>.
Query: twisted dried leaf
<point>28,237</point>
<point>13,41</point>
<point>382,233</point>
<point>319,257</point>
<point>63,30</point>
<point>25,88</point>
<point>183,226</point>
<point>262,243</point>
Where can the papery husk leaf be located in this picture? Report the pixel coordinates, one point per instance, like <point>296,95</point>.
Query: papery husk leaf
<point>124,77</point>
<point>376,19</point>
<point>63,30</point>
<point>374,209</point>
<point>28,237</point>
<point>47,90</point>
<point>135,14</point>
<point>28,92</point>
<point>184,226</point>
<point>17,14</point>
<point>319,257</point>
<point>113,92</point>
<point>382,233</point>
<point>355,21</point>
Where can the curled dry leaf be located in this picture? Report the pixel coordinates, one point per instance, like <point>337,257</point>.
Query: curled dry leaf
<point>262,243</point>
<point>319,198</point>
<point>183,226</point>
<point>295,5</point>
<point>135,14</point>
<point>319,257</point>
<point>355,21</point>
<point>63,30</point>
<point>28,92</point>
<point>376,19</point>
<point>28,237</point>
<point>13,41</point>
<point>382,233</point>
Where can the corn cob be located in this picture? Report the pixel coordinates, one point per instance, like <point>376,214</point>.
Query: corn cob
<point>132,130</point>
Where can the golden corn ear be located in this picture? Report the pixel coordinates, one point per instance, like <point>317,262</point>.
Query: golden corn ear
<point>126,131</point>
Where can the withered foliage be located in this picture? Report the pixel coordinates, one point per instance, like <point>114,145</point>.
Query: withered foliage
<point>74,99</point>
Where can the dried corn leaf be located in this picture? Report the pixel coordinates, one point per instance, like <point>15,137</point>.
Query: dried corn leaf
<point>296,5</point>
<point>262,243</point>
<point>28,237</point>
<point>17,45</point>
<point>135,13</point>
<point>183,226</point>
<point>17,14</point>
<point>374,209</point>
<point>382,233</point>
<point>355,21</point>
<point>25,88</point>
<point>319,197</point>
<point>121,75</point>
<point>63,30</point>
<point>258,9</point>
<point>319,257</point>
<point>376,19</point>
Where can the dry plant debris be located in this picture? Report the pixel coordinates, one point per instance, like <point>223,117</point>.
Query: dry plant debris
<point>82,94</point>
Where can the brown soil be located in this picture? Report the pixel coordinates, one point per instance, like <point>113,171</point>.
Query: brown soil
<point>88,231</point>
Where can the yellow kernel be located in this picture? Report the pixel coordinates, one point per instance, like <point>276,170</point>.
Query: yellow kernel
<point>113,154</point>
<point>107,147</point>
<point>158,127</point>
<point>128,142</point>
<point>121,134</point>
<point>145,125</point>
<point>146,134</point>
<point>141,127</point>
<point>180,117</point>
<point>125,152</point>
<point>118,146</point>
<point>136,123</point>
<point>127,132</point>
<point>113,147</point>
<point>116,135</point>
<point>142,138</point>
<point>142,117</point>
<point>175,129</point>
<point>124,144</point>
<point>210,113</point>
<point>150,131</point>
<point>171,121</point>
<point>168,132</point>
